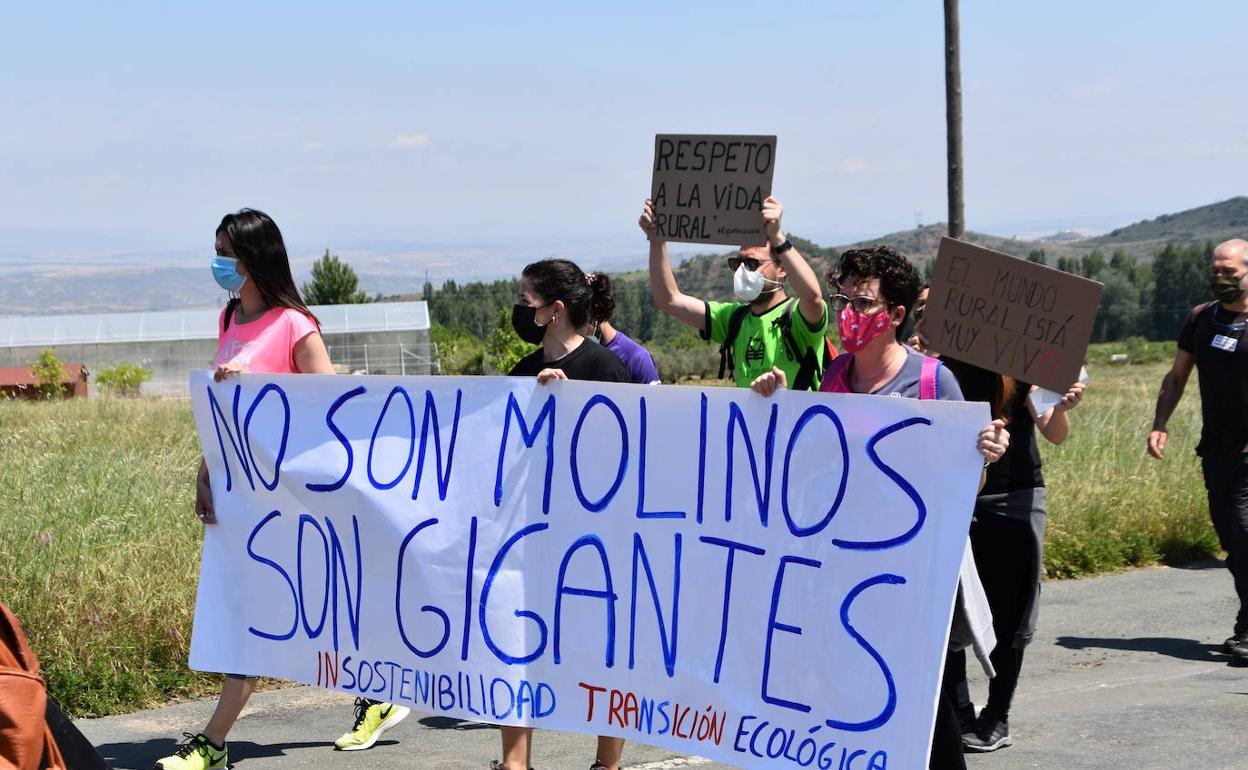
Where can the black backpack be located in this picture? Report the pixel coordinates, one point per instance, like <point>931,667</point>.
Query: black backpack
<point>809,372</point>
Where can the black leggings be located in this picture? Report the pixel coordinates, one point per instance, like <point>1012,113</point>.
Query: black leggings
<point>947,735</point>
<point>1005,555</point>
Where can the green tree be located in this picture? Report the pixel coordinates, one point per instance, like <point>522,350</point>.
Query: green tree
<point>1180,281</point>
<point>504,348</point>
<point>1119,312</point>
<point>122,378</point>
<point>459,352</point>
<point>1124,262</point>
<point>1038,256</point>
<point>49,371</point>
<point>1093,264</point>
<point>333,283</point>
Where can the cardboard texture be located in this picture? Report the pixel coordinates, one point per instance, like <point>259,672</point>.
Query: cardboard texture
<point>1009,315</point>
<point>710,188</point>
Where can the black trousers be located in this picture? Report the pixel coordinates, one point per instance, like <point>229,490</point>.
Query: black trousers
<point>77,751</point>
<point>1005,555</point>
<point>1226,481</point>
<point>947,733</point>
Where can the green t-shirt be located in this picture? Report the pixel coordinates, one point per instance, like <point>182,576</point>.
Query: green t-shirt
<point>759,344</point>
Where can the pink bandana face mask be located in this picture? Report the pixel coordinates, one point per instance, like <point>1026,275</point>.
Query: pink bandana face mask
<point>858,329</point>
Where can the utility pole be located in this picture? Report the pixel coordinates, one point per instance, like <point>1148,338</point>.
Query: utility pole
<point>953,119</point>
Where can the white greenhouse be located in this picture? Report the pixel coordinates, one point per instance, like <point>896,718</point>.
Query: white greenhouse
<point>371,338</point>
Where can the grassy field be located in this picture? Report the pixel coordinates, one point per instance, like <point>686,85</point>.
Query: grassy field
<point>99,553</point>
<point>1110,504</point>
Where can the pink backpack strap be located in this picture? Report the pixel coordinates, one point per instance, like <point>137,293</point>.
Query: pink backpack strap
<point>836,376</point>
<point>929,381</point>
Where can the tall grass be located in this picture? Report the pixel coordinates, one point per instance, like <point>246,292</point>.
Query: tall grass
<point>1111,505</point>
<point>99,553</point>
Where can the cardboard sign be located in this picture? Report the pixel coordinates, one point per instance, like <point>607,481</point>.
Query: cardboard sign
<point>766,582</point>
<point>1009,315</point>
<point>710,189</point>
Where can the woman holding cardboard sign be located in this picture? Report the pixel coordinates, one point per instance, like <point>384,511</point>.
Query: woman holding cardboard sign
<point>874,292</point>
<point>1007,535</point>
<point>554,305</point>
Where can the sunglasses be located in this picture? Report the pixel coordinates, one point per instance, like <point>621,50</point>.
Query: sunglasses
<point>750,263</point>
<point>860,304</point>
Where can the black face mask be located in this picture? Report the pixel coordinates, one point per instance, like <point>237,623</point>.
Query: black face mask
<point>1226,288</point>
<point>523,320</point>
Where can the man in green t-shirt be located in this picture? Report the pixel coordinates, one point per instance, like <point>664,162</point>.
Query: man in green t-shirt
<point>759,273</point>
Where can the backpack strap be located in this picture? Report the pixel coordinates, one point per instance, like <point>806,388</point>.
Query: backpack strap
<point>929,379</point>
<point>726,359</point>
<point>836,375</point>
<point>810,370</point>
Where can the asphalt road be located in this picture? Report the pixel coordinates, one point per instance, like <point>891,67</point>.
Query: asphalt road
<point>1126,672</point>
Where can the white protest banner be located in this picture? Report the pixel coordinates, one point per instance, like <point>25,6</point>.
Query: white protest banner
<point>710,189</point>
<point>765,582</point>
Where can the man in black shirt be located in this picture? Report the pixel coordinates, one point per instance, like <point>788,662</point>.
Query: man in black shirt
<point>1212,340</point>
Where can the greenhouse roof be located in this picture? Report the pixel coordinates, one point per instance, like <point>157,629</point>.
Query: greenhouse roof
<point>104,328</point>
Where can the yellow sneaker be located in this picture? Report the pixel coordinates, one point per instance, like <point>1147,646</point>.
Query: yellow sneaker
<point>197,753</point>
<point>371,720</point>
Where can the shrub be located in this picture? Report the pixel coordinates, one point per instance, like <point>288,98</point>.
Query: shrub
<point>50,372</point>
<point>504,348</point>
<point>122,378</point>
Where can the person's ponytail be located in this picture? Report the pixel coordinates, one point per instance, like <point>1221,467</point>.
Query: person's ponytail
<point>602,297</point>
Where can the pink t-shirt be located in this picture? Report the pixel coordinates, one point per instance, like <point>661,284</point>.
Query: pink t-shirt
<point>266,344</point>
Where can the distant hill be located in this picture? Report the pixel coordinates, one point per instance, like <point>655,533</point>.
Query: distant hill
<point>65,282</point>
<point>1216,222</point>
<point>706,276</point>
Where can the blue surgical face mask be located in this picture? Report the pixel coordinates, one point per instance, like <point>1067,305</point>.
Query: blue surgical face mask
<point>225,271</point>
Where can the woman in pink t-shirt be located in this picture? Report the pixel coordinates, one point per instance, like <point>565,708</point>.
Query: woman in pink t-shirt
<point>265,327</point>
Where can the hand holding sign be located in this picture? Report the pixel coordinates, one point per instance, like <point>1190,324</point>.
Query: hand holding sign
<point>646,220</point>
<point>773,210</point>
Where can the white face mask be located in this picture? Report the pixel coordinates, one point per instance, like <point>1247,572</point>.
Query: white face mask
<point>747,285</point>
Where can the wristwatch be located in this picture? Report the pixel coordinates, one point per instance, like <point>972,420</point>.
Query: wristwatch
<point>778,250</point>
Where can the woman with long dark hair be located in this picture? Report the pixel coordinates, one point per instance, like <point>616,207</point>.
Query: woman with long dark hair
<point>265,327</point>
<point>553,307</point>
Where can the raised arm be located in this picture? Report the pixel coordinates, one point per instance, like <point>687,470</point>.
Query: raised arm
<point>690,311</point>
<point>802,279</point>
<point>1172,386</point>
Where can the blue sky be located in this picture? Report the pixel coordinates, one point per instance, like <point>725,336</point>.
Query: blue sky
<point>141,123</point>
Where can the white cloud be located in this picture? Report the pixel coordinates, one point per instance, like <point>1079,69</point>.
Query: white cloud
<point>409,141</point>
<point>312,145</point>
<point>854,166</point>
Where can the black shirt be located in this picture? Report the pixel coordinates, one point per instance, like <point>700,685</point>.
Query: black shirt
<point>1019,467</point>
<point>1223,376</point>
<point>589,361</point>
